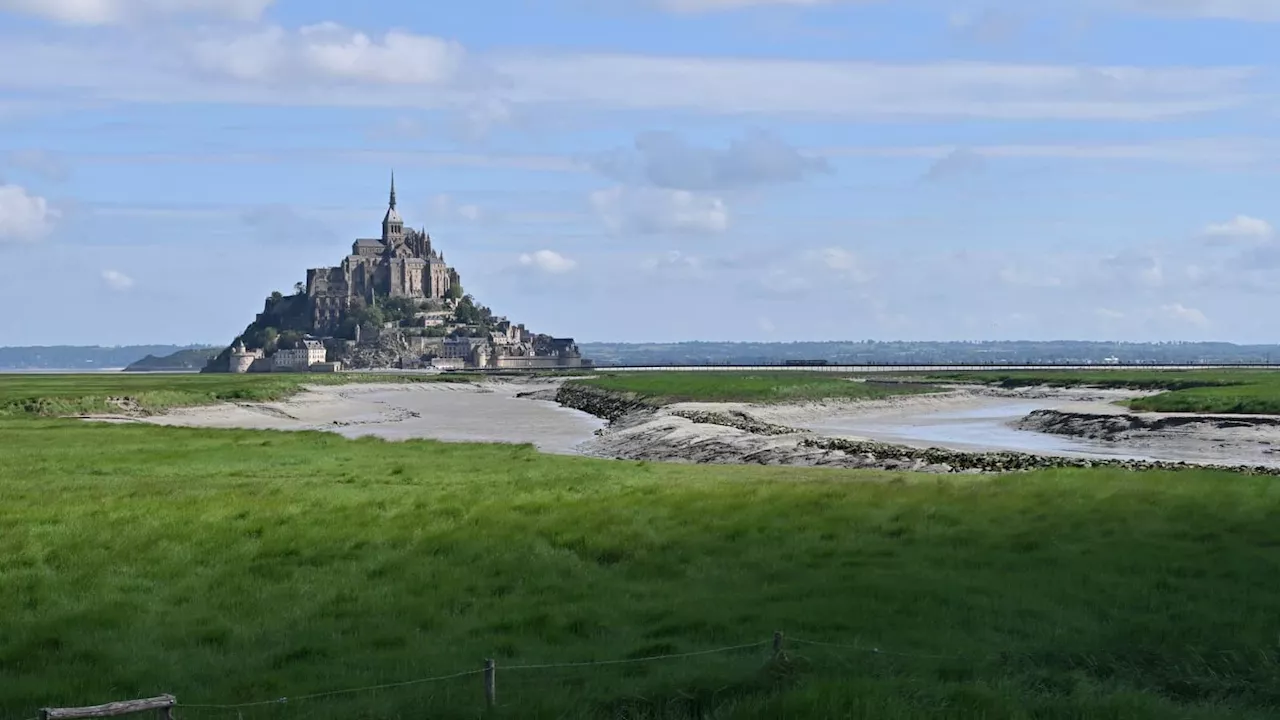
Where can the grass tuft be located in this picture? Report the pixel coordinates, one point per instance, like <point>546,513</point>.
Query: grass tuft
<point>1190,391</point>
<point>664,387</point>
<point>65,395</point>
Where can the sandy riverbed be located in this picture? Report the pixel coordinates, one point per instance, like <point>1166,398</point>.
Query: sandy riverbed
<point>460,412</point>
<point>964,418</point>
<point>970,419</point>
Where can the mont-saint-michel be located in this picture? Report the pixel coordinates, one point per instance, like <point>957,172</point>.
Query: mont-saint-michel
<point>394,302</point>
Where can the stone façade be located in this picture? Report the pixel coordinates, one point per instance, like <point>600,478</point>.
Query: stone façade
<point>401,263</point>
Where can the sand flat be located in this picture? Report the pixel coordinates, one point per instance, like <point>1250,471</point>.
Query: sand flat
<point>458,412</point>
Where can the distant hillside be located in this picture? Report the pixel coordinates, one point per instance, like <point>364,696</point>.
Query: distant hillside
<point>875,352</point>
<point>193,359</point>
<point>88,358</point>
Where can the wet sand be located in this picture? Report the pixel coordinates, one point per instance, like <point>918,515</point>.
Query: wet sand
<point>984,419</point>
<point>458,412</point>
<point>967,419</point>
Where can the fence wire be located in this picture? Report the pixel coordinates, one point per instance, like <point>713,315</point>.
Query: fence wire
<point>514,687</point>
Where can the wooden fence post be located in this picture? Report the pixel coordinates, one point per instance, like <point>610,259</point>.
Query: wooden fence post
<point>163,705</point>
<point>490,683</point>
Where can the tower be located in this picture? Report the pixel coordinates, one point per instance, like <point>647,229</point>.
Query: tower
<point>392,225</point>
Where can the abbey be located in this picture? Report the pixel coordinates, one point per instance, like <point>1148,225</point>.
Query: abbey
<point>393,302</point>
<point>401,263</point>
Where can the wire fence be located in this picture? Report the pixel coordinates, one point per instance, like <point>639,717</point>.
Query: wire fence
<point>526,687</point>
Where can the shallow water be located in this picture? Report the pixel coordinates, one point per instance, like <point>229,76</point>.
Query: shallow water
<point>982,428</point>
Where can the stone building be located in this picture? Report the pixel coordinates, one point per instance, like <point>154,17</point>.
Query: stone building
<point>242,359</point>
<point>400,263</point>
<point>311,353</point>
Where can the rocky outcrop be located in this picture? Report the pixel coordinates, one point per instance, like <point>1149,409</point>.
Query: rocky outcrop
<point>601,403</point>
<point>1112,428</point>
<point>738,420</point>
<point>995,462</point>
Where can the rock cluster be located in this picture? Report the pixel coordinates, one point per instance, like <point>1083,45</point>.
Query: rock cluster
<point>390,351</point>
<point>1007,461</point>
<point>637,431</point>
<point>1115,427</point>
<point>736,419</point>
<point>601,403</point>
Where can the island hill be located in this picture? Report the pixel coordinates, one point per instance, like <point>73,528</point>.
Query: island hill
<point>392,303</point>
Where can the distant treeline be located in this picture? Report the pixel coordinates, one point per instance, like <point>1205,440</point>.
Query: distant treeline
<point>67,357</point>
<point>875,352</point>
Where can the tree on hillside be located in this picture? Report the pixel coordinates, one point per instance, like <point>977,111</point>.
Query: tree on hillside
<point>398,309</point>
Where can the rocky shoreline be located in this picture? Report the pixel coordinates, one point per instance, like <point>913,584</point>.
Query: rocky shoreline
<point>639,430</point>
<point>1114,428</point>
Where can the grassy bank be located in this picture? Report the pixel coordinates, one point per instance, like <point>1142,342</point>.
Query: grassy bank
<point>238,566</point>
<point>56,395</point>
<point>660,388</point>
<point>1196,391</point>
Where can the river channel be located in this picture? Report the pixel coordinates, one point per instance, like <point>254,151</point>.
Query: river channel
<point>974,429</point>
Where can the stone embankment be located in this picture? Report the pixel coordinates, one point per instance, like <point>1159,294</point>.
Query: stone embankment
<point>640,431</point>
<point>602,403</point>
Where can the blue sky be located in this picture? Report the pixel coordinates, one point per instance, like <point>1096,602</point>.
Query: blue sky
<point>651,170</point>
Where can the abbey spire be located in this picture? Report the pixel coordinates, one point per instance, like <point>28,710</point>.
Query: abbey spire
<point>392,225</point>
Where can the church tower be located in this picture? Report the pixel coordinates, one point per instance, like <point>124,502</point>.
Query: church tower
<point>392,225</point>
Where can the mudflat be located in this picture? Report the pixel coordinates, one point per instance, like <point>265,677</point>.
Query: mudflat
<point>1061,422</point>
<point>459,412</point>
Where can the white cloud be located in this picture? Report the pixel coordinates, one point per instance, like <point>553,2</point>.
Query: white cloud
<point>666,160</point>
<point>1247,10</point>
<point>23,216</point>
<point>1109,314</point>
<point>656,211</point>
<point>1241,227</point>
<point>107,12</point>
<point>704,6</point>
<point>1013,275</point>
<point>783,283</point>
<point>330,52</point>
<point>959,163</point>
<point>842,262</point>
<point>858,89</point>
<point>673,264</point>
<point>117,280</point>
<point>1181,313</point>
<point>328,65</point>
<point>1197,151</point>
<point>444,207</point>
<point>548,261</point>
<point>766,325</point>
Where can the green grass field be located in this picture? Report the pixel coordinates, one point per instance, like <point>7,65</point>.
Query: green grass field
<point>239,566</point>
<point>662,387</point>
<point>56,395</point>
<point>1198,391</point>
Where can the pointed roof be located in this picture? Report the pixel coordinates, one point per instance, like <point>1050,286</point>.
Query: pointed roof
<point>392,215</point>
